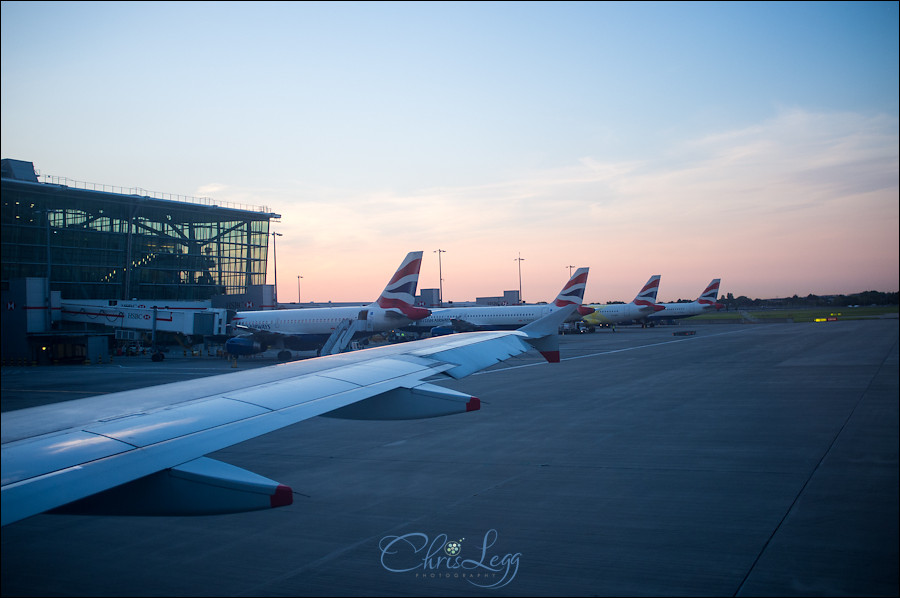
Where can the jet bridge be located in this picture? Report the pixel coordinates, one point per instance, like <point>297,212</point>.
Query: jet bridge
<point>183,318</point>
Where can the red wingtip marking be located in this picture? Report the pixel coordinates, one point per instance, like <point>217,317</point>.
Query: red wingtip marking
<point>551,356</point>
<point>474,404</point>
<point>410,311</point>
<point>283,496</point>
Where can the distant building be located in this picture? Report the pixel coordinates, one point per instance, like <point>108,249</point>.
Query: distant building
<point>429,298</point>
<point>508,298</point>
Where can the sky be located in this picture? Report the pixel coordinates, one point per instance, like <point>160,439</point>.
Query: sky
<point>756,142</point>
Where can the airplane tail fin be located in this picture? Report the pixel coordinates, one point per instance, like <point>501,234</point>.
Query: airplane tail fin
<point>399,295</point>
<point>710,296</point>
<point>543,334</point>
<point>647,296</point>
<point>573,291</point>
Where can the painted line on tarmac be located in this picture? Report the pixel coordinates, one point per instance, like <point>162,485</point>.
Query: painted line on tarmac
<point>679,340</point>
<point>610,352</point>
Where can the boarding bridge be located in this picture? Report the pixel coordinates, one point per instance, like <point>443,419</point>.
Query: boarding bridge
<point>184,319</point>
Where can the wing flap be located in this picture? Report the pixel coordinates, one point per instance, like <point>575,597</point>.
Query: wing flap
<point>40,456</point>
<point>377,370</point>
<point>145,429</point>
<point>283,394</point>
<point>417,402</point>
<point>476,351</point>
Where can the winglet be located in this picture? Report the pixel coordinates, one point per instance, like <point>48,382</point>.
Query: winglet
<point>400,293</point>
<point>543,334</point>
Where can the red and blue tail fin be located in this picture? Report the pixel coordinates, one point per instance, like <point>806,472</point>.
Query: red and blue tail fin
<point>573,291</point>
<point>647,295</point>
<point>709,298</point>
<point>400,293</point>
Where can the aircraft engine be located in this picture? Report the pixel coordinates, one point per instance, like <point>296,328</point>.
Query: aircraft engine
<point>240,345</point>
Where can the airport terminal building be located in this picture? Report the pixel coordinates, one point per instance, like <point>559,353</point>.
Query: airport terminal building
<point>95,242</point>
<point>105,243</point>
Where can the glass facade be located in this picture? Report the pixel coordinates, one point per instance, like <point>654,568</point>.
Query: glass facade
<point>99,245</point>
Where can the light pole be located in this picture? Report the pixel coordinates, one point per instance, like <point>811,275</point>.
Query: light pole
<point>298,288</point>
<point>46,213</point>
<point>440,277</point>
<point>570,270</point>
<point>275,269</point>
<point>520,259</point>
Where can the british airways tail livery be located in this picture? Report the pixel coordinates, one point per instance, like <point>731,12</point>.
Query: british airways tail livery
<point>706,302</point>
<point>330,329</point>
<point>640,308</point>
<point>504,317</point>
<point>573,292</point>
<point>710,296</point>
<point>647,295</point>
<point>399,296</point>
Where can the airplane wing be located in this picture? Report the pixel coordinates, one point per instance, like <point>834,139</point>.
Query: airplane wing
<point>142,451</point>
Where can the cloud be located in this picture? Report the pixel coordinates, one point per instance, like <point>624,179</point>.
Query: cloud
<point>752,201</point>
<point>211,189</point>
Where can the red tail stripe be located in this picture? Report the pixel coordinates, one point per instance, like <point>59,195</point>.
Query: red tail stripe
<point>580,279</point>
<point>410,268</point>
<point>410,311</point>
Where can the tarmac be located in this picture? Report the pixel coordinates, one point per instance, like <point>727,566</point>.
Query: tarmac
<point>741,460</point>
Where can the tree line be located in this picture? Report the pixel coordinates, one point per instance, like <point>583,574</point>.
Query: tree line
<point>864,298</point>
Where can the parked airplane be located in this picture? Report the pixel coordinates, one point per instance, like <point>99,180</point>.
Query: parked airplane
<point>330,329</point>
<point>707,301</point>
<point>141,452</point>
<point>504,317</point>
<point>640,308</point>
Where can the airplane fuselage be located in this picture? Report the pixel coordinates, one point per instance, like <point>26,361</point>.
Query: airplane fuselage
<point>683,310</point>
<point>482,317</point>
<point>314,320</point>
<point>309,329</point>
<point>615,313</point>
